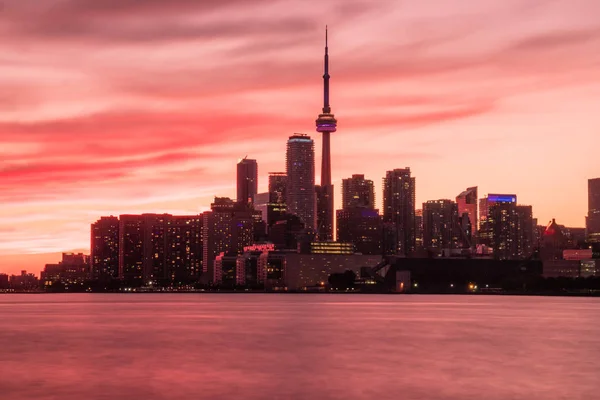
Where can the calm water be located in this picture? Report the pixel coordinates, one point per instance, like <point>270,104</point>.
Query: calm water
<point>188,346</point>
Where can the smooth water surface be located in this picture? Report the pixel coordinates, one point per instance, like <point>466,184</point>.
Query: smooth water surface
<point>269,346</point>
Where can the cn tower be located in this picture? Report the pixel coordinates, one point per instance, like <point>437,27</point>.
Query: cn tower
<point>326,123</point>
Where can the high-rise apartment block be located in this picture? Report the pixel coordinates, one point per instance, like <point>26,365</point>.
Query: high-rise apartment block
<point>358,192</point>
<point>278,187</point>
<point>105,249</point>
<point>441,229</point>
<point>399,191</point>
<point>506,227</point>
<point>153,249</point>
<point>247,180</point>
<point>228,227</point>
<point>593,217</point>
<point>300,168</point>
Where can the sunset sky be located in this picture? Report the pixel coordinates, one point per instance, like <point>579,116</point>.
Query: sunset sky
<point>128,106</point>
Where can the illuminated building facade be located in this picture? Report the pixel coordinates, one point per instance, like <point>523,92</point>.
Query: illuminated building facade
<point>440,225</point>
<point>362,227</point>
<point>525,231</point>
<point>399,190</point>
<point>160,249</point>
<point>300,167</point>
<point>331,248</point>
<point>419,229</point>
<point>72,271</point>
<point>184,249</point>
<point>105,248</point>
<point>247,180</point>
<point>227,228</point>
<point>506,227</point>
<point>131,250</point>
<point>278,187</point>
<point>358,192</point>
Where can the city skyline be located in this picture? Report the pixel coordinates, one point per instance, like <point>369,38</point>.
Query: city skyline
<point>137,145</point>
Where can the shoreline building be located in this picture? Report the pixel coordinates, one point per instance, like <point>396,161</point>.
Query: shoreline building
<point>105,249</point>
<point>160,249</point>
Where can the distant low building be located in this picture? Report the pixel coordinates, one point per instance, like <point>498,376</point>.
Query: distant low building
<point>3,282</point>
<point>562,268</point>
<point>308,270</point>
<point>72,270</point>
<point>24,282</point>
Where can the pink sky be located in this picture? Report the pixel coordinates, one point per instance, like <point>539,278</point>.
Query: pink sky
<point>128,106</point>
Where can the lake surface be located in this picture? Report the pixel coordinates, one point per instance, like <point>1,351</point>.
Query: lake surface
<point>255,346</point>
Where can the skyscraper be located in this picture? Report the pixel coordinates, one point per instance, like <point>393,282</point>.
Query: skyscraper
<point>131,250</point>
<point>326,123</point>
<point>525,231</point>
<point>592,222</point>
<point>300,168</point>
<point>399,208</point>
<point>105,248</point>
<point>499,225</point>
<point>440,225</point>
<point>358,192</point>
<point>184,249</point>
<point>467,204</point>
<point>247,180</point>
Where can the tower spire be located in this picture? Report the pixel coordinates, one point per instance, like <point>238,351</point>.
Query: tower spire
<point>326,107</point>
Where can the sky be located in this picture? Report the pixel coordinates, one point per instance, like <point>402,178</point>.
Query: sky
<point>110,107</point>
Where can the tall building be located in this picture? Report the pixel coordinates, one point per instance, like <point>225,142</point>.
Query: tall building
<point>362,227</point>
<point>525,231</point>
<point>467,204</point>
<point>440,225</point>
<point>419,229</point>
<point>160,249</point>
<point>499,225</point>
<point>105,248</point>
<point>326,124</point>
<point>131,250</point>
<point>300,166</point>
<point>592,221</point>
<point>277,187</point>
<point>358,192</point>
<point>227,228</point>
<point>184,249</point>
<point>271,211</point>
<point>399,190</point>
<point>247,180</point>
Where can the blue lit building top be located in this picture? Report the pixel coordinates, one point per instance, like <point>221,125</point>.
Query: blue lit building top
<point>502,198</point>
